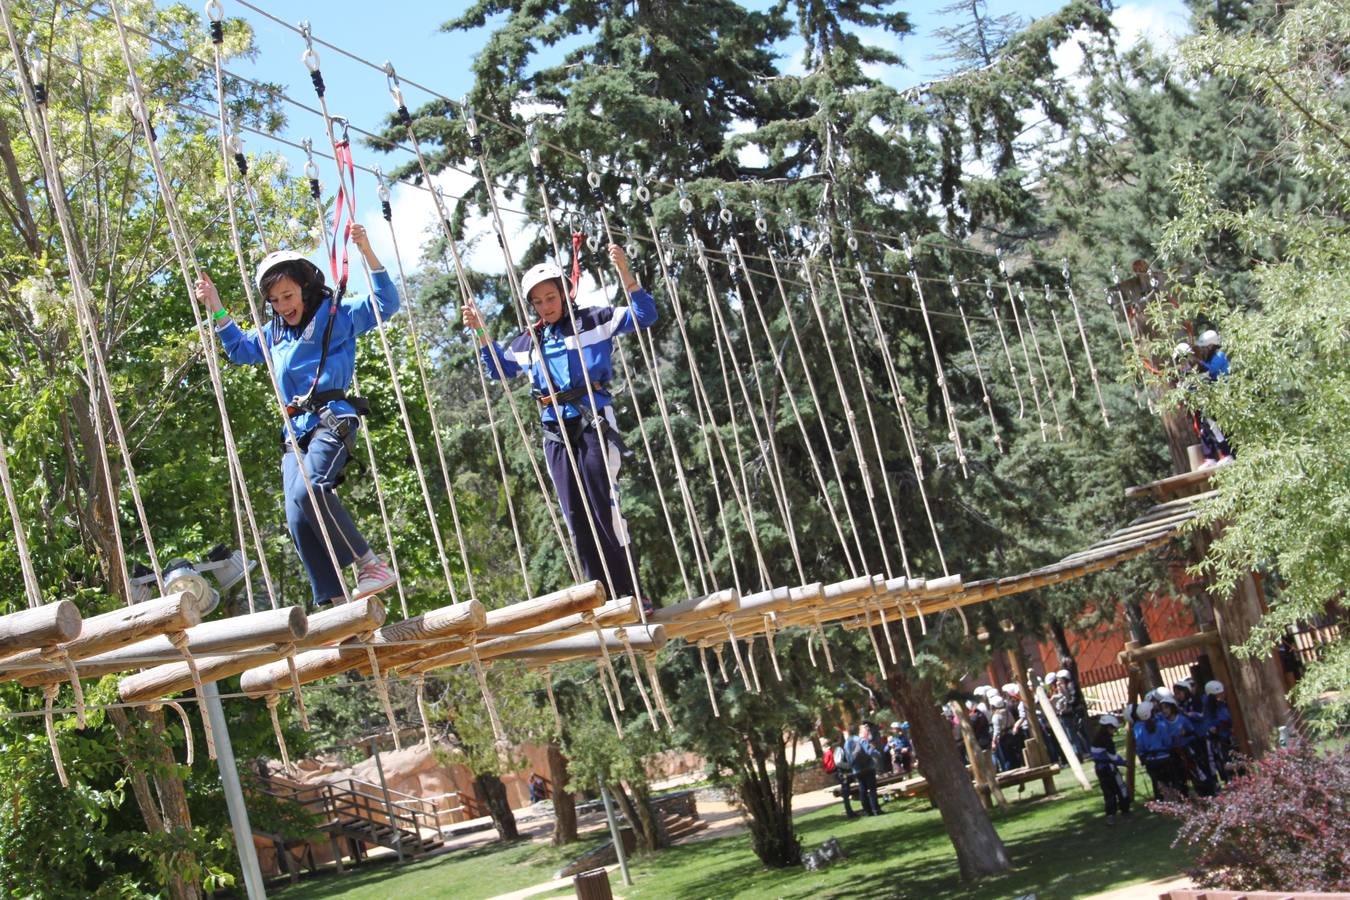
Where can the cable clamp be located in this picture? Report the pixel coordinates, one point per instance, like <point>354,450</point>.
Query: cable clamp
<point>310,57</point>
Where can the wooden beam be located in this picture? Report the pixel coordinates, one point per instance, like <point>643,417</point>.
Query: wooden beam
<point>1141,654</point>
<point>1167,488</point>
<point>329,626</point>
<point>641,638</point>
<point>42,626</point>
<point>696,609</point>
<point>272,626</point>
<point>311,665</point>
<point>110,630</point>
<point>540,610</point>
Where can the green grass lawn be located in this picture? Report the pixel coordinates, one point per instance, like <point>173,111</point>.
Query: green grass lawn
<point>1059,848</point>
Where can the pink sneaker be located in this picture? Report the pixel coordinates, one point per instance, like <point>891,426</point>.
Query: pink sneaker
<point>373,577</point>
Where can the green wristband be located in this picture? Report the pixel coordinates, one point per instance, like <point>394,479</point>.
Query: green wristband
<point>480,331</point>
<point>219,314</point>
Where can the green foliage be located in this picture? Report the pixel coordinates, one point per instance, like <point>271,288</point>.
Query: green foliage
<point>1285,500</point>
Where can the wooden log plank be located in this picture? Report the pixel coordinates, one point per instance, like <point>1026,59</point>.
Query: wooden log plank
<point>42,626</point>
<point>329,626</point>
<point>540,610</point>
<point>697,609</point>
<point>272,626</point>
<point>749,618</point>
<point>1138,654</point>
<point>310,665</point>
<point>642,638</point>
<point>110,630</point>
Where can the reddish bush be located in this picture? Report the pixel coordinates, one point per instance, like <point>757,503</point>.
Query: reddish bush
<point>1283,826</point>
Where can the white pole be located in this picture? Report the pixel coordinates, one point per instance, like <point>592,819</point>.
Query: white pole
<point>1060,735</point>
<point>614,833</point>
<point>234,795</point>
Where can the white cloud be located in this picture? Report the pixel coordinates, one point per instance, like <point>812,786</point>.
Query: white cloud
<point>1159,24</point>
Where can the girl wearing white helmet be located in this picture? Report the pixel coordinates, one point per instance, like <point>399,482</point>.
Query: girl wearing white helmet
<point>571,383</point>
<point>1154,742</point>
<point>312,342</point>
<point>1218,725</point>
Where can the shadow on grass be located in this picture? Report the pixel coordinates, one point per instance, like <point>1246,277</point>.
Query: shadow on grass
<point>1059,848</point>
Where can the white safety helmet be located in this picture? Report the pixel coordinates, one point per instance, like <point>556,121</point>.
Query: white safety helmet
<point>1011,688</point>
<point>1163,695</point>
<point>1051,677</point>
<point>1186,684</point>
<point>1109,720</point>
<point>998,701</point>
<point>274,259</point>
<point>1144,711</point>
<point>970,704</point>
<point>538,275</point>
<point>895,726</point>
<point>1208,338</point>
<point>1063,674</point>
<point>1214,688</point>
<point>1181,351</point>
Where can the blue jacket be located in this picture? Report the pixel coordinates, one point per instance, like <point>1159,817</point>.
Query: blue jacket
<point>1157,744</point>
<point>1216,365</point>
<point>572,359</point>
<point>295,353</point>
<point>858,752</point>
<point>1220,721</point>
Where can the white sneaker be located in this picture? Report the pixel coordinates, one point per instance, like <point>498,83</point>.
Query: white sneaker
<point>373,577</point>
<point>1209,464</point>
<point>1224,460</point>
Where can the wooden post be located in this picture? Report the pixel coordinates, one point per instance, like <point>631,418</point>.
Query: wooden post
<point>1065,746</point>
<point>981,765</point>
<point>1218,660</point>
<point>1131,756</point>
<point>1042,756</point>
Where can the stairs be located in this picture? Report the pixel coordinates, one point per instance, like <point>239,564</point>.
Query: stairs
<point>678,827</point>
<point>359,814</point>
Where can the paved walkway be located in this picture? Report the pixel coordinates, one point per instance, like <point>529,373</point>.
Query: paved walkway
<point>1147,890</point>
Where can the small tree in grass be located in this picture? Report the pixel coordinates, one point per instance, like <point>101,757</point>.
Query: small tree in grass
<point>1283,826</point>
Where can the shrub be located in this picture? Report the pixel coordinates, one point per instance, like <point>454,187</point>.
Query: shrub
<point>1285,825</point>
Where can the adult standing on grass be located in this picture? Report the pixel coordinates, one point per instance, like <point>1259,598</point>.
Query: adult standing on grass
<point>864,772</point>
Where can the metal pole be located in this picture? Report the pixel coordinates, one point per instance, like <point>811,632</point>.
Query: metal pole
<point>614,833</point>
<point>388,804</point>
<point>234,795</point>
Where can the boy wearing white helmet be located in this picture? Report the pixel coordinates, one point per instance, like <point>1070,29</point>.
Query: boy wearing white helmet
<point>1214,363</point>
<point>1107,764</point>
<point>1218,727</point>
<point>1153,741</point>
<point>567,355</point>
<point>312,344</point>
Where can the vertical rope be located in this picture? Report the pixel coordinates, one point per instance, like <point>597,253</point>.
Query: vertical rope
<point>613,713</point>
<point>721,664</point>
<point>654,677</point>
<point>909,641</point>
<point>272,701</point>
<point>190,755</point>
<point>622,635</point>
<point>1063,347</point>
<point>736,650</point>
<point>769,639</point>
<point>179,639</point>
<point>871,637</point>
<point>497,734</point>
<point>553,701</point>
<point>606,663</point>
<point>1082,335</point>
<point>824,644</point>
<point>953,429</point>
<point>754,668</point>
<point>707,679</point>
<point>49,692</point>
<point>30,582</point>
<point>1040,359</point>
<point>424,713</point>
<point>975,357</point>
<point>1022,339</point>
<point>296,691</point>
<point>886,630</point>
<point>1007,353</point>
<point>382,690</point>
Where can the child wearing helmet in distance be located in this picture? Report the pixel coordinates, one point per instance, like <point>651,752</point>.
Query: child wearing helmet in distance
<point>1214,363</point>
<point>312,342</point>
<point>571,384</point>
<point>1107,764</point>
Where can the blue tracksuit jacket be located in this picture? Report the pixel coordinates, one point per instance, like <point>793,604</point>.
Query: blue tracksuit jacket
<point>295,352</point>
<point>572,359</point>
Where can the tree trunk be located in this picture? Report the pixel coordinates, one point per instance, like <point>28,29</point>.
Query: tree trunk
<point>767,800</point>
<point>635,804</point>
<point>493,794</point>
<point>170,813</point>
<point>1134,614</point>
<point>564,802</point>
<point>979,850</point>
<point>1066,661</point>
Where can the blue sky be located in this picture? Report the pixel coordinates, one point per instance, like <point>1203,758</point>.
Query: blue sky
<point>409,36</point>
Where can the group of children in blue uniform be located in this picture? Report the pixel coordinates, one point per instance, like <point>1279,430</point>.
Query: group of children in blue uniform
<point>1182,736</point>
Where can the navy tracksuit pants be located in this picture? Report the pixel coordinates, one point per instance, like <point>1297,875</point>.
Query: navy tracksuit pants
<point>598,463</point>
